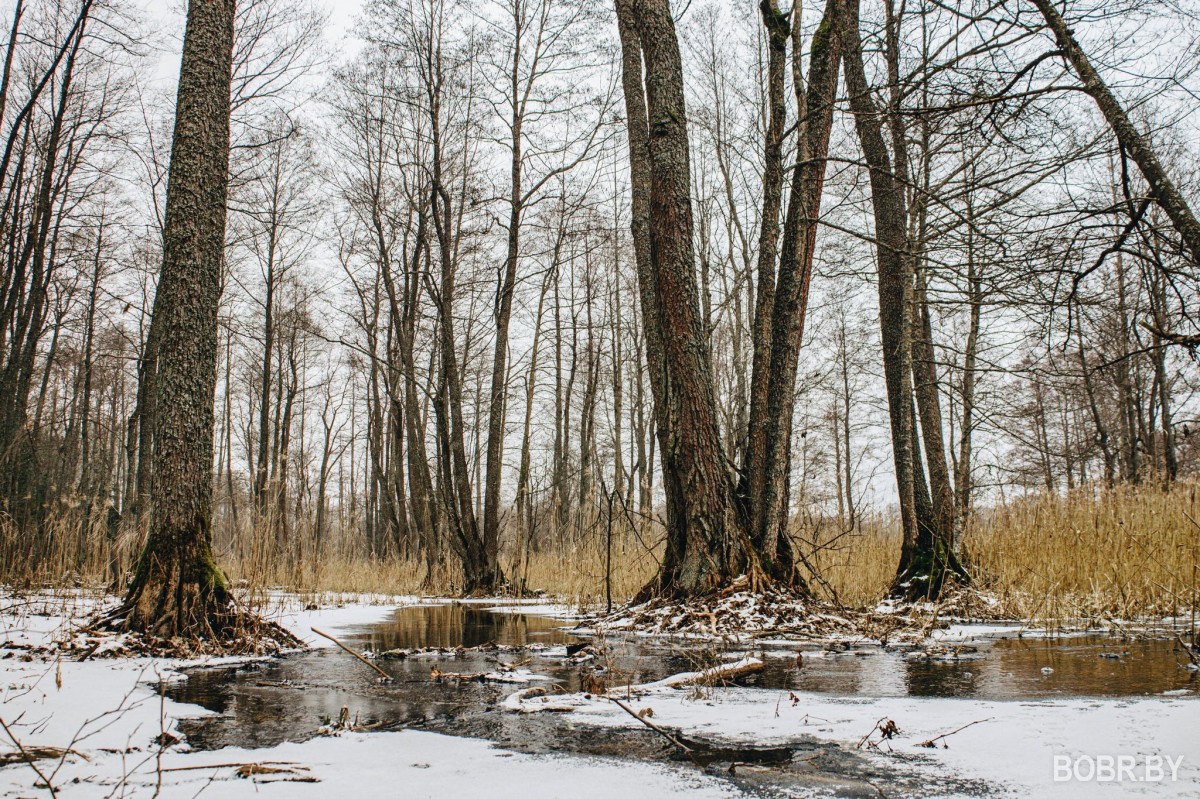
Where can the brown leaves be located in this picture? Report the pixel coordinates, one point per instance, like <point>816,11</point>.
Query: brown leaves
<point>887,729</point>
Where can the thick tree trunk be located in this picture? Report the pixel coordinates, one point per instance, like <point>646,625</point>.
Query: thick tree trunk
<point>639,177</point>
<point>769,538</point>
<point>480,574</point>
<point>707,543</point>
<point>178,590</point>
<point>768,246</point>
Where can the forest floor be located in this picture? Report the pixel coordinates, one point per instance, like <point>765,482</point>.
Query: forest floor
<point>104,727</point>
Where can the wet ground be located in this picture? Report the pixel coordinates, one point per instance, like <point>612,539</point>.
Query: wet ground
<point>287,699</point>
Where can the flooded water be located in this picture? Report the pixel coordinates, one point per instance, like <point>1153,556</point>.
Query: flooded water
<point>1007,668</point>
<point>287,699</point>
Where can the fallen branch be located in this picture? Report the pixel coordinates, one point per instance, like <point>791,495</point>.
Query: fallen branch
<point>511,677</point>
<point>650,724</point>
<point>36,753</point>
<point>1188,650</point>
<point>932,742</point>
<point>516,701</point>
<point>264,775</point>
<point>724,672</point>
<point>261,764</point>
<point>29,759</point>
<point>378,670</point>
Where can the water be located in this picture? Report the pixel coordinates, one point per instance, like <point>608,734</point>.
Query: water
<point>286,699</point>
<point>1008,668</point>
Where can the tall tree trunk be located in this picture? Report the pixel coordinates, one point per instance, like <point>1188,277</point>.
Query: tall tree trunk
<point>926,554</point>
<point>523,504</point>
<point>178,588</point>
<point>925,386</point>
<point>264,385</point>
<point>815,101</point>
<point>964,476</point>
<point>778,31</point>
<point>707,542</point>
<point>499,386</point>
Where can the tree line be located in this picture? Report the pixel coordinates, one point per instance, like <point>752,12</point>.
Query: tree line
<point>515,274</point>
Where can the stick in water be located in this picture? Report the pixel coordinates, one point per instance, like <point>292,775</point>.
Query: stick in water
<point>380,671</point>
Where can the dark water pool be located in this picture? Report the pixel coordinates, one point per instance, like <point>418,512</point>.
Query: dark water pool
<point>287,699</point>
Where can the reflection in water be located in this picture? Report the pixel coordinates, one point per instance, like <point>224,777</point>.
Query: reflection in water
<point>460,625</point>
<point>932,678</point>
<point>284,699</point>
<point>1089,666</point>
<point>1008,668</point>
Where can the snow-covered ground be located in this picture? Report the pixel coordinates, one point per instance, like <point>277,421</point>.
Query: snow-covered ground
<point>107,714</point>
<point>1011,744</point>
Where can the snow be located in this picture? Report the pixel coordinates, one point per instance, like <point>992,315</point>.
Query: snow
<point>107,713</point>
<point>973,632</point>
<point>550,609</point>
<point>1014,748</point>
<point>408,763</point>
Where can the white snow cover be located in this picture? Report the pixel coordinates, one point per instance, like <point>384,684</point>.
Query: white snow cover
<point>552,609</point>
<point>1014,748</point>
<point>107,714</point>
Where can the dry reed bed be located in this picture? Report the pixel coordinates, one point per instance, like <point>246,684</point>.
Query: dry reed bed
<point>1128,552</point>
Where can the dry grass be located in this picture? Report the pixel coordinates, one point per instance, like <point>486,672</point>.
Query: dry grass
<point>858,566</point>
<point>1124,553</point>
<point>1127,552</point>
<point>575,574</point>
<point>1121,553</point>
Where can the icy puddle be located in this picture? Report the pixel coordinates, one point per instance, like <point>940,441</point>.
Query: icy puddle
<point>287,699</point>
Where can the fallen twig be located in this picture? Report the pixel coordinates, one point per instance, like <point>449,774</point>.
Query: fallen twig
<point>887,730</point>
<point>378,670</point>
<point>650,724</point>
<point>932,742</point>
<point>1188,650</point>
<point>260,764</point>
<point>29,759</point>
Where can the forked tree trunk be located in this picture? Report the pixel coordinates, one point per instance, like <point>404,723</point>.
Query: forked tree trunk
<point>707,543</point>
<point>926,557</point>
<point>178,590</point>
<point>769,536</point>
<point>768,247</point>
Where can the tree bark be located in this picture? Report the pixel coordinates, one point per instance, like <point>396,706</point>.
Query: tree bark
<point>926,555</point>
<point>788,314</point>
<point>178,590</point>
<point>706,540</point>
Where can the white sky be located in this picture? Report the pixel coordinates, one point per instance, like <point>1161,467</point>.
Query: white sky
<point>168,21</point>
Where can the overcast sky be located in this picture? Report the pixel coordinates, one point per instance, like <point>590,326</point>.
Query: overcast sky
<point>168,25</point>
